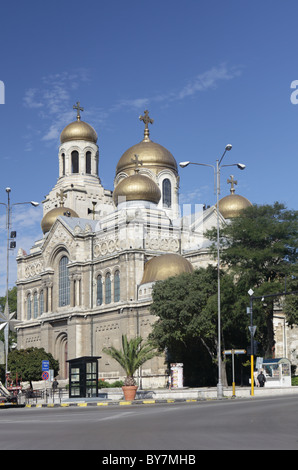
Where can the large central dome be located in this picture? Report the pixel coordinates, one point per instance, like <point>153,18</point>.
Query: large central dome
<point>152,155</point>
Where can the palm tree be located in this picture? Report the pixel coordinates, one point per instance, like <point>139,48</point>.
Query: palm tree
<point>132,356</point>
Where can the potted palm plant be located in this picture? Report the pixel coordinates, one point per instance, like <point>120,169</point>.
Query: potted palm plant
<point>130,358</point>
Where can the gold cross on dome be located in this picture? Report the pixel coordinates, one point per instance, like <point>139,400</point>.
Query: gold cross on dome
<point>62,196</point>
<point>137,162</point>
<point>232,182</point>
<point>78,108</point>
<point>146,120</point>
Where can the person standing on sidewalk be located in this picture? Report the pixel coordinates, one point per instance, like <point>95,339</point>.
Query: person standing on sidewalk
<point>55,385</point>
<point>261,379</point>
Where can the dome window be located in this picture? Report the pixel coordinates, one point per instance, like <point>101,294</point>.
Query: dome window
<point>63,164</point>
<point>88,163</point>
<point>75,161</point>
<point>166,193</point>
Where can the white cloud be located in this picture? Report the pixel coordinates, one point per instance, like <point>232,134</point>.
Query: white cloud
<point>53,98</point>
<point>208,79</point>
<point>30,99</point>
<point>193,197</point>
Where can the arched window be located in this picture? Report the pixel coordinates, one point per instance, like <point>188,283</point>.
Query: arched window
<point>41,302</point>
<point>108,297</point>
<point>35,305</point>
<point>88,163</point>
<point>117,286</point>
<point>99,298</point>
<point>28,307</point>
<point>63,164</point>
<point>64,284</point>
<point>75,161</point>
<point>166,193</point>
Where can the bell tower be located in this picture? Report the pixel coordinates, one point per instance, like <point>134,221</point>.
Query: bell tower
<point>78,172</point>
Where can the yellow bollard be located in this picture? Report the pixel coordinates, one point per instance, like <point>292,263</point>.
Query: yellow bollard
<point>252,374</point>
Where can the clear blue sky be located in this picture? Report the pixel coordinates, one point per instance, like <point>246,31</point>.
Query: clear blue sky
<point>210,72</point>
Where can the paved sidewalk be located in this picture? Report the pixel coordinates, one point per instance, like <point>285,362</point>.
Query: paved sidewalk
<point>108,397</point>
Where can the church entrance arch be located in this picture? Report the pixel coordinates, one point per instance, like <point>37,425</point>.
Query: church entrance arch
<point>61,354</point>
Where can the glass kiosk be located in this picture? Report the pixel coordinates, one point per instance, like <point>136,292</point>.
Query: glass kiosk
<point>277,372</point>
<point>83,377</point>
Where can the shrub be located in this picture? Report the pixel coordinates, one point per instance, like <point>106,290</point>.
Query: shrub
<point>103,384</point>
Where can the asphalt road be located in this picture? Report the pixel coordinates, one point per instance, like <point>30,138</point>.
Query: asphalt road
<point>239,424</point>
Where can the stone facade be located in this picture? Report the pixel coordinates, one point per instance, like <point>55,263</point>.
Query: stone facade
<point>106,249</point>
<point>80,287</point>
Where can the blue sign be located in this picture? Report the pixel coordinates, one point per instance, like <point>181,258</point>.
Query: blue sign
<point>45,365</point>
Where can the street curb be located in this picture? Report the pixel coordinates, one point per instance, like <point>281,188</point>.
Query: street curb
<point>12,405</point>
<point>110,403</point>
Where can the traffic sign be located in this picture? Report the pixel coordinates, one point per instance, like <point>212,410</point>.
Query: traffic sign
<point>45,376</point>
<point>252,330</point>
<point>234,351</point>
<point>45,365</point>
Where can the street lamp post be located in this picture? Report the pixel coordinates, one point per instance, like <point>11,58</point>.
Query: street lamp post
<point>6,318</point>
<point>216,170</point>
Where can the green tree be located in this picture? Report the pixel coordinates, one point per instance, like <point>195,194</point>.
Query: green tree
<point>260,249</point>
<point>187,325</point>
<point>27,363</point>
<point>12,300</point>
<point>132,356</point>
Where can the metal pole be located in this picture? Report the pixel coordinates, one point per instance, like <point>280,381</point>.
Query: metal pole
<point>6,310</point>
<point>217,178</point>
<point>251,351</point>
<point>233,372</point>
<point>6,333</point>
<point>219,385</point>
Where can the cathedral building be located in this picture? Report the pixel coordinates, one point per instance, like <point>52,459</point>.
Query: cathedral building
<point>89,279</point>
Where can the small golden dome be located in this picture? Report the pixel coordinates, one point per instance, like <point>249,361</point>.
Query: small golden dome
<point>165,266</point>
<point>78,130</point>
<point>232,205</point>
<point>51,216</point>
<point>137,188</point>
<point>151,155</point>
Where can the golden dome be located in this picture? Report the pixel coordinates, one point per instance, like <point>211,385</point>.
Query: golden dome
<point>153,156</point>
<point>165,266</point>
<point>137,188</point>
<point>78,130</point>
<point>232,205</point>
<point>51,216</point>
<point>150,154</point>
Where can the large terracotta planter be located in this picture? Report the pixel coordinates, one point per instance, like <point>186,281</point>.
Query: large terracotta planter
<point>129,392</point>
